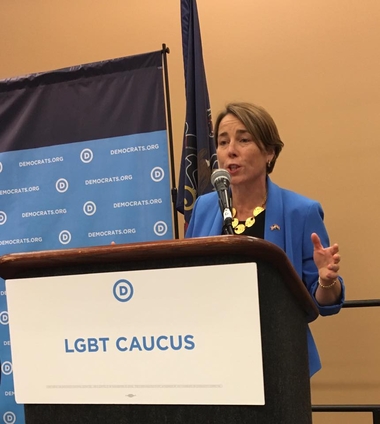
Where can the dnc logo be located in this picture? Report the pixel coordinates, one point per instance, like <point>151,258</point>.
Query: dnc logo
<point>123,290</point>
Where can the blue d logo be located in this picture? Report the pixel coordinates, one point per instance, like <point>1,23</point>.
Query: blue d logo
<point>123,290</point>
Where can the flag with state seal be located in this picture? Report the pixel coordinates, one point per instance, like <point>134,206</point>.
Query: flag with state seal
<point>198,152</point>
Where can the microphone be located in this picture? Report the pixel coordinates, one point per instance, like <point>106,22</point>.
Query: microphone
<point>220,179</point>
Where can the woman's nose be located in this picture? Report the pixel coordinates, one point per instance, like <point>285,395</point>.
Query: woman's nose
<point>232,148</point>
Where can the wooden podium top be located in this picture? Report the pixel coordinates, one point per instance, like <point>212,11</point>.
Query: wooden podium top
<point>15,265</point>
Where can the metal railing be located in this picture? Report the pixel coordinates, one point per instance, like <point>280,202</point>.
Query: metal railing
<point>374,409</point>
<point>361,303</point>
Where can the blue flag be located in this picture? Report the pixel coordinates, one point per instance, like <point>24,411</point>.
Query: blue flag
<point>198,154</point>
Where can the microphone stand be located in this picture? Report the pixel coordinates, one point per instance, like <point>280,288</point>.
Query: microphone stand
<point>227,219</point>
<point>220,180</point>
<point>228,230</point>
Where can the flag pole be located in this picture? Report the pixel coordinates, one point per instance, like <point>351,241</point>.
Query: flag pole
<point>165,51</point>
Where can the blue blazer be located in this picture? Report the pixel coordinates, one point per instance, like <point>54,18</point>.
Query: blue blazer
<point>295,218</point>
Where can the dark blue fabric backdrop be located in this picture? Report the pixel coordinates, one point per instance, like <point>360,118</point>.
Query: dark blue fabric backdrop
<point>83,162</point>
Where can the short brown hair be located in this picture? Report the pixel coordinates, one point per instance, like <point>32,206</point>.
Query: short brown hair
<point>258,123</point>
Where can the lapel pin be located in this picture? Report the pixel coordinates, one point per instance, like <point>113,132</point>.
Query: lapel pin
<point>274,227</point>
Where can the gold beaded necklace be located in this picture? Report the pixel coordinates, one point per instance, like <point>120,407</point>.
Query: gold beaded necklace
<point>239,227</point>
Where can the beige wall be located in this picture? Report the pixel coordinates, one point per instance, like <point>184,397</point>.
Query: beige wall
<point>315,65</point>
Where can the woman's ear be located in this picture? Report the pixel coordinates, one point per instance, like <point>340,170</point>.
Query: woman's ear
<point>270,155</point>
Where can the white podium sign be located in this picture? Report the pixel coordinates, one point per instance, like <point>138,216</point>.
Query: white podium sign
<point>167,336</point>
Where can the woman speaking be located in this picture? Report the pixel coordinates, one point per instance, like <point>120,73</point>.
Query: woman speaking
<point>248,145</point>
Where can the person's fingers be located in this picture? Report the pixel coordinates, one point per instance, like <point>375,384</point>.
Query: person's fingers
<point>333,267</point>
<point>336,258</point>
<point>316,241</point>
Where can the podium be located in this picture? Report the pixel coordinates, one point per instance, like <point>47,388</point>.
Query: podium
<point>285,310</point>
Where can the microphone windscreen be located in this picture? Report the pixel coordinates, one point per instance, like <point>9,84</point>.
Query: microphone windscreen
<point>220,175</point>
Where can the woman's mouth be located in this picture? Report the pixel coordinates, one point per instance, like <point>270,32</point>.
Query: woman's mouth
<point>232,168</point>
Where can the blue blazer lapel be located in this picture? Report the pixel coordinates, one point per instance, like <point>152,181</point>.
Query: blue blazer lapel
<point>274,216</point>
<point>217,225</point>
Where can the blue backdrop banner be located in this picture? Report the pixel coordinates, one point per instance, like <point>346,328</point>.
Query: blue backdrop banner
<point>83,162</point>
